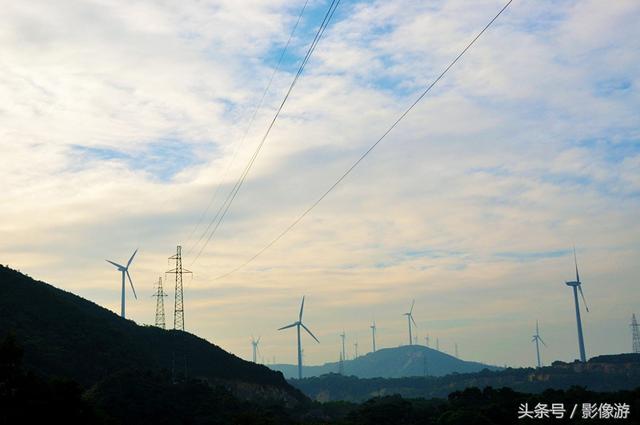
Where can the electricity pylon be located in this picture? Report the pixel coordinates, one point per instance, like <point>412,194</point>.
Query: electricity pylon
<point>160,304</point>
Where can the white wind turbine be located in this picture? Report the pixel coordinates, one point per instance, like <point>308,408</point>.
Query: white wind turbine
<point>577,286</point>
<point>254,344</point>
<point>125,271</point>
<point>410,319</point>
<point>299,324</point>
<point>538,339</point>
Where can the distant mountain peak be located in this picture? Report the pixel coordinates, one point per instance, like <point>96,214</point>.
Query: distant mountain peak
<point>394,362</point>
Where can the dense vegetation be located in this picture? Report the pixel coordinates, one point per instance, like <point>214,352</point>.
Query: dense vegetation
<point>27,398</point>
<point>126,397</point>
<point>604,374</point>
<point>146,397</point>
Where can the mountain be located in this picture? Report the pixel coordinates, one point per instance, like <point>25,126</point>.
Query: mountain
<point>398,362</point>
<point>66,336</point>
<point>602,374</point>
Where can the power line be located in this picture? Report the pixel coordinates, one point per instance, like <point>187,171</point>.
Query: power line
<point>371,148</point>
<point>234,192</point>
<point>244,136</point>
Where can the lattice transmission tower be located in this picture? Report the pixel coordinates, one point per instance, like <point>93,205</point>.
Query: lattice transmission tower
<point>160,304</point>
<point>178,310</point>
<point>635,332</point>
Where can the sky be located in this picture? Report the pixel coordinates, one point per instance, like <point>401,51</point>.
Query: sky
<point>120,120</point>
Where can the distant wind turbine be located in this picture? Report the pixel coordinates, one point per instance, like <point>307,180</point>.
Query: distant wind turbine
<point>254,344</point>
<point>344,353</point>
<point>373,335</point>
<point>125,271</point>
<point>299,324</point>
<point>538,339</point>
<point>409,320</point>
<point>577,286</point>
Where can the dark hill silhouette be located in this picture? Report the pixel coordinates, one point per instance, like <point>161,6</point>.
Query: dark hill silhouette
<point>398,362</point>
<point>64,335</point>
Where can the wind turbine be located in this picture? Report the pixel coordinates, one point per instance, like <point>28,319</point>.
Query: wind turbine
<point>254,344</point>
<point>373,335</point>
<point>125,271</point>
<point>577,286</point>
<point>537,339</point>
<point>344,353</point>
<point>299,324</point>
<point>409,320</point>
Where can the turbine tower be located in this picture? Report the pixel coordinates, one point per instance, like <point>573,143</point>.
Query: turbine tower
<point>298,325</point>
<point>125,271</point>
<point>537,339</point>
<point>344,354</point>
<point>635,333</point>
<point>409,320</point>
<point>254,344</point>
<point>356,346</point>
<point>577,286</point>
<point>160,305</point>
<point>373,335</point>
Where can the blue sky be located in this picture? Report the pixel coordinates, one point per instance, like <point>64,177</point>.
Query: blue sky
<point>120,122</point>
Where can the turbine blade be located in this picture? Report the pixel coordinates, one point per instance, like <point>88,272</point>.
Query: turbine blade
<point>131,259</point>
<point>131,282</point>
<point>115,264</point>
<point>583,299</point>
<point>288,326</point>
<point>309,332</point>
<point>258,341</point>
<point>412,304</point>
<point>575,260</point>
<point>542,341</point>
<point>414,322</point>
<point>301,308</point>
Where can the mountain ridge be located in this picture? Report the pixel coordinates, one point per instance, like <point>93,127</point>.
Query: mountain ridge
<point>64,335</point>
<point>615,372</point>
<point>393,362</point>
